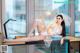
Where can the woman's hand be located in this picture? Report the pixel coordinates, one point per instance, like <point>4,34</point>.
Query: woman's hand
<point>62,41</point>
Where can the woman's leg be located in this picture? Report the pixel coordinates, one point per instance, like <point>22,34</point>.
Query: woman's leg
<point>55,46</point>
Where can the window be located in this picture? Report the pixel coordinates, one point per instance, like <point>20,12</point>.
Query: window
<point>77,18</point>
<point>50,8</point>
<point>79,5</point>
<point>15,10</point>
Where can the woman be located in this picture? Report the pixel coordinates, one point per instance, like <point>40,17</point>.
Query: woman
<point>57,31</point>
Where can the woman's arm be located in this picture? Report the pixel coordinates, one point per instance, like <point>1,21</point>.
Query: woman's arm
<point>62,41</point>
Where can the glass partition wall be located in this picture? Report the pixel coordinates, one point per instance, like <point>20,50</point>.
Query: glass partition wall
<point>23,13</point>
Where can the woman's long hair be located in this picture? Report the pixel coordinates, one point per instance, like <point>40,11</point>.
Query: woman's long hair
<point>63,26</point>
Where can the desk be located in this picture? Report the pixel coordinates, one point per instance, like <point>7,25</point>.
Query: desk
<point>35,38</point>
<point>74,39</point>
<point>23,40</point>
